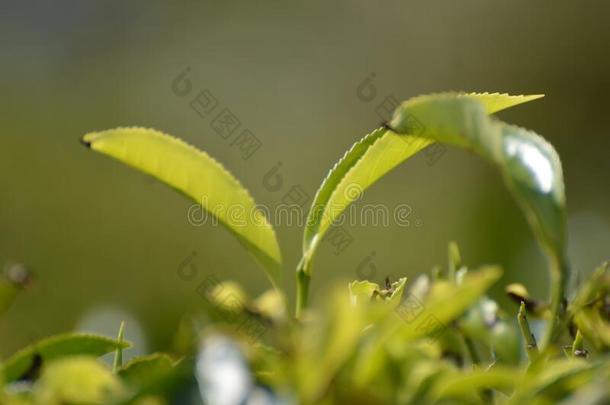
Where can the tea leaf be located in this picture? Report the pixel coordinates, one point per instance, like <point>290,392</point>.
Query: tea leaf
<point>370,159</point>
<point>530,166</point>
<point>201,178</point>
<point>466,385</point>
<point>362,291</point>
<point>80,380</point>
<point>461,297</point>
<point>589,308</point>
<point>56,347</point>
<point>143,369</point>
<point>365,163</point>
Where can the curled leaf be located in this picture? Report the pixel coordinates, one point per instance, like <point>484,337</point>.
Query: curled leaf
<point>381,151</point>
<point>530,166</point>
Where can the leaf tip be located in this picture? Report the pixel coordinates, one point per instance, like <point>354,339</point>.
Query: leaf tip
<point>84,141</point>
<point>89,138</point>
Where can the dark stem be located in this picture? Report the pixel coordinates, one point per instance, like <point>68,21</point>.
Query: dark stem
<point>531,348</point>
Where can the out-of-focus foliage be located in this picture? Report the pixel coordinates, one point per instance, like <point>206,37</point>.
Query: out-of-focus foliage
<point>55,347</point>
<point>435,340</point>
<point>591,308</point>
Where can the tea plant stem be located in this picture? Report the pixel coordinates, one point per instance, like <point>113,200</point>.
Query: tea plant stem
<point>578,348</point>
<point>303,279</point>
<point>455,261</point>
<point>530,341</point>
<point>118,354</point>
<point>558,276</point>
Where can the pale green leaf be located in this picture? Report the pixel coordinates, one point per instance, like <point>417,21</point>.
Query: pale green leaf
<point>366,162</point>
<point>495,102</point>
<point>327,345</point>
<point>271,304</point>
<point>435,308</point>
<point>397,290</point>
<point>553,380</point>
<point>77,380</point>
<point>201,178</point>
<point>143,369</point>
<point>363,291</point>
<point>468,385</point>
<point>56,347</point>
<point>589,308</point>
<point>371,158</point>
<point>530,165</point>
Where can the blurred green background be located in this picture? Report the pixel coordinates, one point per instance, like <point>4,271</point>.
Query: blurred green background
<point>106,242</point>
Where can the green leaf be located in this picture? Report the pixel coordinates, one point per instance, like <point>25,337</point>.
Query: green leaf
<point>484,323</point>
<point>363,291</point>
<point>461,297</point>
<point>154,376</point>
<point>143,369</point>
<point>368,160</point>
<point>271,304</point>
<point>530,166</point>
<point>494,102</point>
<point>56,347</point>
<point>77,380</point>
<point>553,380</point>
<point>468,385</point>
<point>201,178</point>
<point>326,345</point>
<point>589,308</point>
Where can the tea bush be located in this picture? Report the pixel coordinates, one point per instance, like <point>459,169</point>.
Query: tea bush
<point>438,339</point>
